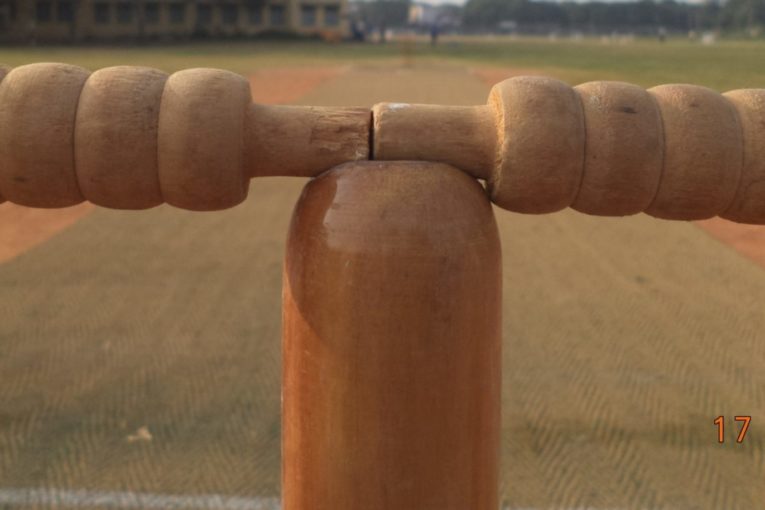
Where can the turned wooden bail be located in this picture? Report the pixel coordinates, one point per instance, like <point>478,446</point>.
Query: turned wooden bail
<point>133,138</point>
<point>304,141</point>
<point>201,139</point>
<point>540,148</point>
<point>703,153</point>
<point>748,206</point>
<point>623,131</point>
<point>677,152</point>
<point>115,139</point>
<point>463,136</point>
<point>391,342</point>
<point>38,106</point>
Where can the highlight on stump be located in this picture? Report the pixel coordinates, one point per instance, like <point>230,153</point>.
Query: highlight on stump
<point>133,138</point>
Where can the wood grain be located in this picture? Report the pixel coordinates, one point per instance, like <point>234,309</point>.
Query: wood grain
<point>38,104</point>
<point>391,342</point>
<point>115,138</point>
<point>303,141</point>
<point>462,136</point>
<point>703,153</point>
<point>624,149</point>
<point>201,139</point>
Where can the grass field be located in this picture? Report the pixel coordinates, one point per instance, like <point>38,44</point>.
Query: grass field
<point>139,352</point>
<point>726,65</point>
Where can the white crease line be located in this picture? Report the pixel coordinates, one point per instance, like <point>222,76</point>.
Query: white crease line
<point>86,498</point>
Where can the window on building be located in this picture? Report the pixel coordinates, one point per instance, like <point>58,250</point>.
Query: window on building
<point>229,14</point>
<point>331,15</point>
<point>204,14</point>
<point>124,13</point>
<point>276,15</point>
<point>308,15</point>
<point>177,12</point>
<point>151,13</point>
<point>102,12</point>
<point>65,13</point>
<point>7,12</point>
<point>43,11</point>
<point>255,14</point>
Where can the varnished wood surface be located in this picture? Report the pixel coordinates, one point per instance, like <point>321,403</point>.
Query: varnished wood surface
<point>38,104</point>
<point>132,137</point>
<point>462,136</point>
<point>391,342</point>
<point>678,151</point>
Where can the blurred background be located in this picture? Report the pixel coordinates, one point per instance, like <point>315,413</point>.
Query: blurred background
<point>140,351</point>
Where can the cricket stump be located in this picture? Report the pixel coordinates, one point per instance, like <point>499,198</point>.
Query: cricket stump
<point>391,342</point>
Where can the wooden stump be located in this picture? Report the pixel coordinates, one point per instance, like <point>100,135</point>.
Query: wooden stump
<point>391,382</point>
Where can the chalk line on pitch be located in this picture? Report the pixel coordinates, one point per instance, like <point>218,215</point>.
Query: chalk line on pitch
<point>87,498</point>
<point>81,498</point>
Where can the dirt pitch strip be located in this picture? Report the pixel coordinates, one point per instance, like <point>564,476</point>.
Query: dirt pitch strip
<point>139,351</point>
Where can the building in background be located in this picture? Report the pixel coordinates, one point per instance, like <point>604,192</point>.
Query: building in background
<point>104,20</point>
<point>427,15</point>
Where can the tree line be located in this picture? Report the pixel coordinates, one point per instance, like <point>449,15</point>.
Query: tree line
<point>637,16</point>
<point>640,16</point>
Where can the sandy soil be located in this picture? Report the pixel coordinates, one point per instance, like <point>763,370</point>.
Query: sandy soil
<point>492,75</point>
<point>22,228</point>
<point>749,240</point>
<point>286,85</point>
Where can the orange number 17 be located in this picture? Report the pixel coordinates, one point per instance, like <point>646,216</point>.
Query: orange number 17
<point>720,422</point>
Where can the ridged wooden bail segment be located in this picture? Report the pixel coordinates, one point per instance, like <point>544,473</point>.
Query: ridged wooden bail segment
<point>201,139</point>
<point>38,106</point>
<point>703,153</point>
<point>623,149</point>
<point>748,205</point>
<point>116,137</point>
<point>540,145</point>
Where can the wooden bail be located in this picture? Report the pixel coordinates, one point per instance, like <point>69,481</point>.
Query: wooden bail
<point>391,378</point>
<point>463,136</point>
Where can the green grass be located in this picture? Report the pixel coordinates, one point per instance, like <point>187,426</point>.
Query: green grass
<point>726,65</point>
<point>647,62</point>
<point>238,56</point>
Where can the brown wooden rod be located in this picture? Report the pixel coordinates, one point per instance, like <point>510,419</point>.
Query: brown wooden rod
<point>678,152</point>
<point>133,137</point>
<point>303,141</point>
<point>391,342</point>
<point>463,136</point>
